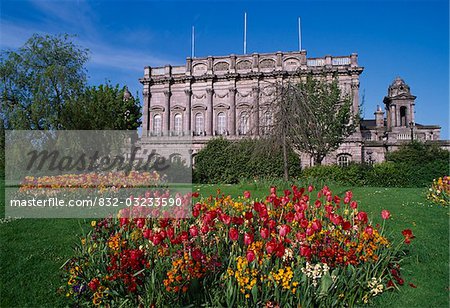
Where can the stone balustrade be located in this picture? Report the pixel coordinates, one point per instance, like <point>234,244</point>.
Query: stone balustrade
<point>254,63</point>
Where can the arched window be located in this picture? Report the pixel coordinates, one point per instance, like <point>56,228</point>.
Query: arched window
<point>344,160</point>
<point>244,124</point>
<point>199,124</point>
<point>221,123</point>
<point>175,158</point>
<point>178,124</point>
<point>267,122</point>
<point>157,124</point>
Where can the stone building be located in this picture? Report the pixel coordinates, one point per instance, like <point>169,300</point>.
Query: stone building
<point>231,96</point>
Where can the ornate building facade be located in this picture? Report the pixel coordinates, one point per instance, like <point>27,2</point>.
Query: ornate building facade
<point>231,96</point>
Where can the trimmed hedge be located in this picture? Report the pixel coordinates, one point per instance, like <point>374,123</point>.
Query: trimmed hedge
<point>413,165</point>
<point>225,161</point>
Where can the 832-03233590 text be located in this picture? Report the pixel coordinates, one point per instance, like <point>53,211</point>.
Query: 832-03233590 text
<point>97,201</point>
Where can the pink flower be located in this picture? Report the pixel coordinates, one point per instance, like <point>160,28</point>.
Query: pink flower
<point>284,230</point>
<point>385,214</point>
<point>248,238</point>
<point>310,188</point>
<point>264,233</point>
<point>246,194</point>
<point>362,217</point>
<point>353,205</point>
<point>369,230</point>
<point>193,230</point>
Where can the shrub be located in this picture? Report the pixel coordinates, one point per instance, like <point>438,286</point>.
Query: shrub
<point>413,165</point>
<point>296,248</point>
<point>225,161</point>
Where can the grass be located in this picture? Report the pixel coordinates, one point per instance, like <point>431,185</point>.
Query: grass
<point>32,250</point>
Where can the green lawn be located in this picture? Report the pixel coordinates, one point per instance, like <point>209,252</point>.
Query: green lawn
<point>32,250</point>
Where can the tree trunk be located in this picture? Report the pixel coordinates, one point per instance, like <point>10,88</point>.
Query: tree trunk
<point>285,159</point>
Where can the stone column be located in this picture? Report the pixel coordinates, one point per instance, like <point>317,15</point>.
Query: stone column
<point>256,110</point>
<point>411,111</point>
<point>355,95</point>
<point>397,116</point>
<point>232,120</point>
<point>209,118</point>
<point>388,116</point>
<point>188,120</point>
<point>393,120</point>
<point>166,126</point>
<point>146,115</point>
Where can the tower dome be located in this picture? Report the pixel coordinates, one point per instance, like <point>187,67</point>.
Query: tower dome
<point>397,87</point>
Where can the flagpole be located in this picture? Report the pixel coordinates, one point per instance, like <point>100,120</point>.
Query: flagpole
<point>245,33</point>
<point>299,34</point>
<point>193,43</point>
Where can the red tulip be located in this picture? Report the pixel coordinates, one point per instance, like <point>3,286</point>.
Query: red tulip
<point>305,251</point>
<point>316,225</point>
<point>248,215</point>
<point>273,190</point>
<point>280,250</point>
<point>300,236</point>
<point>310,188</point>
<point>272,224</point>
<point>407,233</point>
<point>317,203</point>
<point>170,232</point>
<point>205,229</point>
<point>284,230</point>
<point>353,205</point>
<point>304,223</point>
<point>226,219</point>
<point>346,225</point>
<point>271,247</point>
<point>250,256</point>
<point>385,214</point>
<point>197,254</point>
<point>233,234</point>
<point>246,194</point>
<point>248,238</point>
<point>184,236</point>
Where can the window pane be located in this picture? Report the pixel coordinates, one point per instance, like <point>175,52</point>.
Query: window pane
<point>221,123</point>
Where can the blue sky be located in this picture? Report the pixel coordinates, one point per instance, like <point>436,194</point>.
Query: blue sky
<point>392,38</point>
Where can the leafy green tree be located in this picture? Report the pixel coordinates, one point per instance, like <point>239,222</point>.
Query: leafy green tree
<point>103,107</point>
<point>38,79</point>
<point>313,116</point>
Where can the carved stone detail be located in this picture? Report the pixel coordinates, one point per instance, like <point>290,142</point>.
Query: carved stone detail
<point>221,66</point>
<point>267,63</point>
<point>244,65</point>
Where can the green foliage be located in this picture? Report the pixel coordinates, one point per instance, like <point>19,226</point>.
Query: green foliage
<point>225,161</point>
<point>38,79</point>
<point>413,165</point>
<point>102,107</point>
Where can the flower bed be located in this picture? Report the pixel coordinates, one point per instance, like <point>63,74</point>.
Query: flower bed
<point>298,247</point>
<point>439,191</point>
